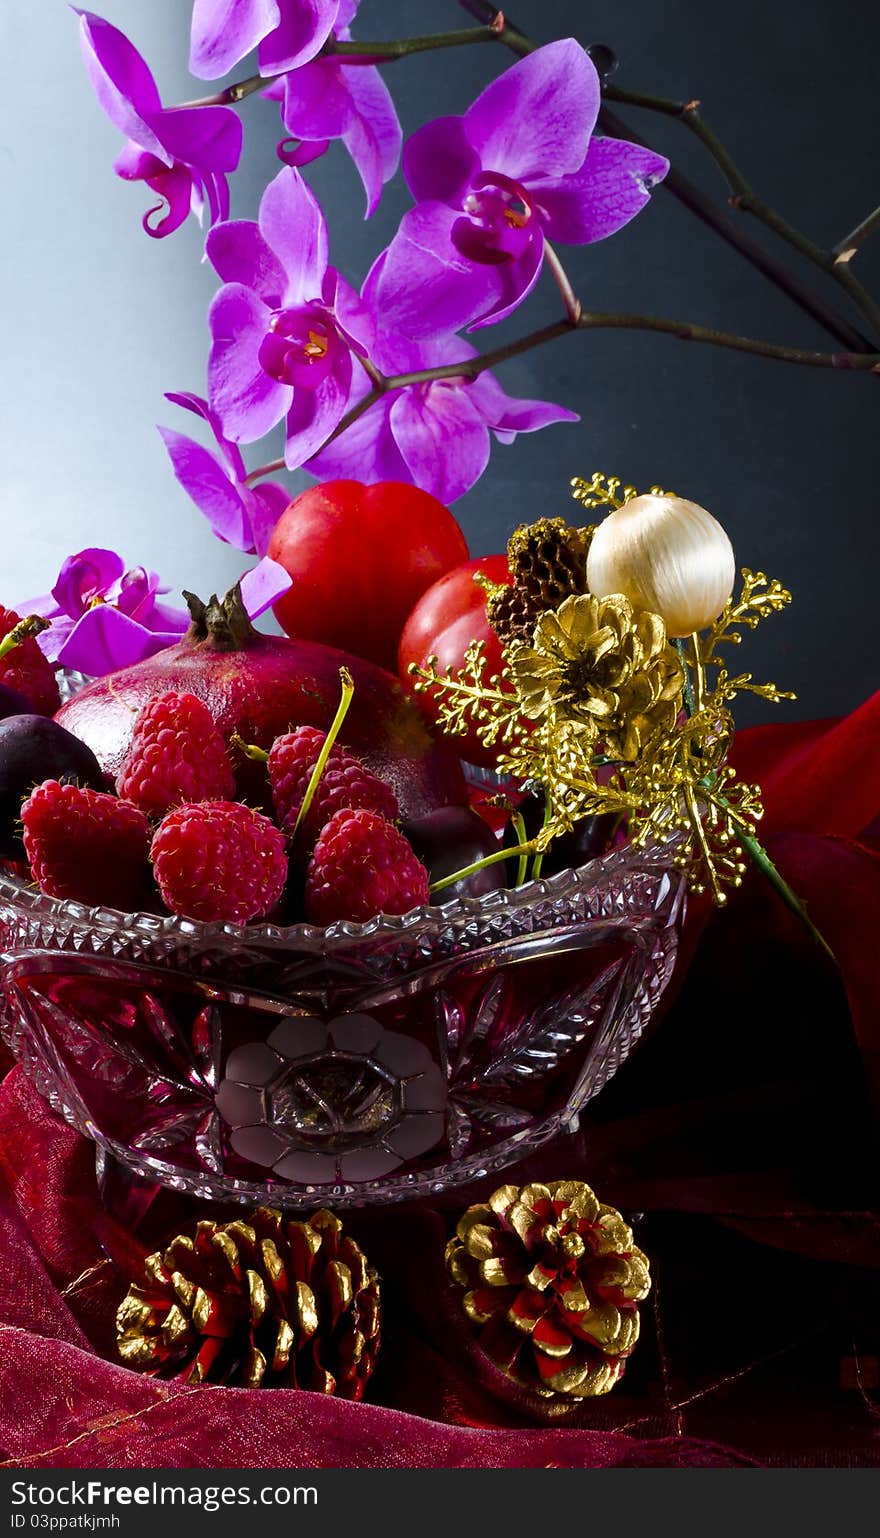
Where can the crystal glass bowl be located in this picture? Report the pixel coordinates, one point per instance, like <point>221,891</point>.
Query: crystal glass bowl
<point>362,1063</point>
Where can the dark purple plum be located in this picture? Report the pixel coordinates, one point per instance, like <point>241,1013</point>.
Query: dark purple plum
<point>588,839</point>
<point>451,838</point>
<point>34,749</point>
<point>13,704</point>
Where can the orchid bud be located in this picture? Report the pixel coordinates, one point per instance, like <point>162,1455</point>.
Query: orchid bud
<point>666,555</point>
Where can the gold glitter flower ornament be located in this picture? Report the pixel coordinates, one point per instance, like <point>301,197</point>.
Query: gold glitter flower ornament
<point>598,706</point>
<point>551,1279</point>
<point>605,668</point>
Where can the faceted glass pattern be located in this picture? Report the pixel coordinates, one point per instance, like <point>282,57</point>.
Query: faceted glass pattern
<point>362,1063</point>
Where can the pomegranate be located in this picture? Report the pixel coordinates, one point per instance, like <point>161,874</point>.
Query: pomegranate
<point>260,686</point>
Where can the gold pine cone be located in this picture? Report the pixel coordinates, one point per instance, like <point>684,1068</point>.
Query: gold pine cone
<point>552,1281</point>
<point>606,668</point>
<point>548,562</point>
<point>268,1303</point>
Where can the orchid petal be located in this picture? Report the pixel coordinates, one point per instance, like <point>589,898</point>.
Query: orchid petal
<point>439,161</point>
<point>270,499</point>
<point>366,451</point>
<point>200,408</point>
<point>84,577</point>
<point>261,586</point>
<point>303,29</point>
<point>375,137</point>
<point>293,226</point>
<point>516,281</point>
<point>105,640</point>
<point>314,414</point>
<point>316,102</point>
<point>175,188</point>
<point>301,152</point>
<point>239,254</point>
<point>353,317</point>
<point>427,288</point>
<point>507,415</point>
<point>535,120</point>
<point>207,137</point>
<point>207,484</point>
<point>442,438</point>
<point>224,31</point>
<point>122,82</point>
<point>610,188</point>
<point>248,402</point>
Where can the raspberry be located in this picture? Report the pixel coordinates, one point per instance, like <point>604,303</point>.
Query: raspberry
<point>362,866</point>
<point>177,755</point>
<point>85,845</point>
<point>344,784</point>
<point>26,669</point>
<point>219,860</point>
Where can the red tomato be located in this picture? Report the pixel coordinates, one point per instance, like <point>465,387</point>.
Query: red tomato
<point>360,557</point>
<point>444,622</point>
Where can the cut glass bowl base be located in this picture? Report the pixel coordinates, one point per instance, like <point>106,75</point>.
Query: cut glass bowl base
<point>359,1064</point>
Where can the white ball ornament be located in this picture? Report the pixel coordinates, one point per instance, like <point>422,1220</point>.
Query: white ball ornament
<point>666,555</point>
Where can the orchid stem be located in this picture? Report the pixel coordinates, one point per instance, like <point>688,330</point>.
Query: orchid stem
<point>573,307</point>
<point>590,320</point>
<point>847,248</point>
<point>400,48</point>
<point>347,683</point>
<point>271,468</point>
<point>22,632</point>
<point>360,52</point>
<point>490,859</point>
<point>687,193</point>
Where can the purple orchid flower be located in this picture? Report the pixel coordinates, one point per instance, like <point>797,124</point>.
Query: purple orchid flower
<point>240,515</point>
<point>283,325</point>
<point>182,153</point>
<point>519,167</point>
<point>435,434</point>
<point>103,617</point>
<point>286,33</point>
<point>333,98</point>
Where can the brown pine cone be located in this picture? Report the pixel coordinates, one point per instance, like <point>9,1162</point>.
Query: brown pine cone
<point>552,1280</point>
<point>271,1303</point>
<point>548,562</point>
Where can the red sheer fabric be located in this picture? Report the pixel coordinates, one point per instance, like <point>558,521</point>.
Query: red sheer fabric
<point>741,1136</point>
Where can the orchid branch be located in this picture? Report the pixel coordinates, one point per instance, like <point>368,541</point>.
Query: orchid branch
<point>587,320</point>
<point>360,52</point>
<point>743,195</point>
<point>847,248</point>
<point>705,209</point>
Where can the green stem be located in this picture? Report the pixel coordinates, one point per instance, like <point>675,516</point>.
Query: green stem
<point>249,749</point>
<point>689,702</point>
<point>22,632</point>
<point>519,828</point>
<point>538,861</point>
<point>347,683</point>
<point>478,865</point>
<point>759,857</point>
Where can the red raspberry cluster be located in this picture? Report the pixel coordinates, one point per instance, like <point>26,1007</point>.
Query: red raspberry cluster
<point>175,832</point>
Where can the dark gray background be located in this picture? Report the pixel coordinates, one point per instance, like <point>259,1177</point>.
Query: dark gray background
<point>98,320</point>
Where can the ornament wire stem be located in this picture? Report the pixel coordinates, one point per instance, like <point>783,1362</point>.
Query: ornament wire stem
<point>525,849</point>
